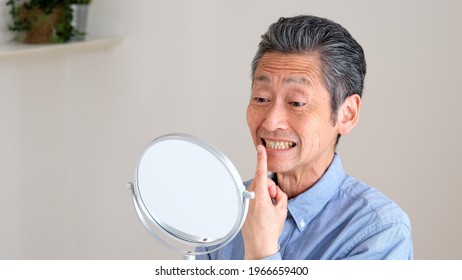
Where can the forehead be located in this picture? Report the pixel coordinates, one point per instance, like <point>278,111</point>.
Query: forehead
<point>301,68</point>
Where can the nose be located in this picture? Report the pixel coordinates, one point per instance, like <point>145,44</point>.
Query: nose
<point>276,118</point>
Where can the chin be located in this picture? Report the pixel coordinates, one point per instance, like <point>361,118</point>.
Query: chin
<point>277,167</point>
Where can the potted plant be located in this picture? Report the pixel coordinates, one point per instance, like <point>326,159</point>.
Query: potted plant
<point>79,18</point>
<point>44,21</point>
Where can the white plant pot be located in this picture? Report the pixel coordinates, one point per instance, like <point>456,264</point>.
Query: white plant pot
<point>79,20</point>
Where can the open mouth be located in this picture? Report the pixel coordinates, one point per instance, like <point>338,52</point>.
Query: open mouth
<point>278,145</point>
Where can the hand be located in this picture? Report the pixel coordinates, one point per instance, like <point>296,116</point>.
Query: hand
<point>267,213</point>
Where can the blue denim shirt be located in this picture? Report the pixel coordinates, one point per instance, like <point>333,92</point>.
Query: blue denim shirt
<point>338,218</point>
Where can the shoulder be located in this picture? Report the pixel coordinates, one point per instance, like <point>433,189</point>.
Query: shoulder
<point>382,228</point>
<point>366,198</point>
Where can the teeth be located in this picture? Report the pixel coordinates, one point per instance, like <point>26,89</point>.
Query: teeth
<point>279,145</point>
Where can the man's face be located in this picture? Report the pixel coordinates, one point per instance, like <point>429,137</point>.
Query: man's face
<point>290,114</point>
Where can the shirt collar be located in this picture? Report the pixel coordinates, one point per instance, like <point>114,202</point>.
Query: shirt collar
<point>308,204</point>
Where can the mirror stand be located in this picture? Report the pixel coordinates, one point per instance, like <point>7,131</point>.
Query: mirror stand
<point>189,257</point>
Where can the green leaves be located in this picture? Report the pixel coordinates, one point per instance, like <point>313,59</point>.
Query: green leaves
<point>51,20</point>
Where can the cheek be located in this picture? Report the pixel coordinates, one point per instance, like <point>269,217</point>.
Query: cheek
<point>323,134</point>
<point>311,130</point>
<point>252,123</point>
<point>248,118</point>
<point>252,119</point>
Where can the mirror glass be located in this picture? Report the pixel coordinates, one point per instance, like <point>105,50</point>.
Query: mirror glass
<point>189,190</point>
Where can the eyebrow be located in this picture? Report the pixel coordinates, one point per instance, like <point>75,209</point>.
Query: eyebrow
<point>296,80</point>
<point>262,78</point>
<point>286,80</point>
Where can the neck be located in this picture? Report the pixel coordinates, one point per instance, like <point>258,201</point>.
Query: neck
<point>295,183</point>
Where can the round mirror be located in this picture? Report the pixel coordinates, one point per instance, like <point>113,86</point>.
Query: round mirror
<point>188,192</point>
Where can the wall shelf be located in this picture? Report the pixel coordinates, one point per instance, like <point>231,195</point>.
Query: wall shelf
<point>16,50</point>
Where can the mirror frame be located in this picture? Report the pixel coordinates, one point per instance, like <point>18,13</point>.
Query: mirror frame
<point>148,219</point>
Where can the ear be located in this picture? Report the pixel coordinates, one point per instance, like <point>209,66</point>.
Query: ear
<point>348,114</point>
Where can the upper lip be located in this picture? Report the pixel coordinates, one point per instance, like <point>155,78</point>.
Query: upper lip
<point>275,139</point>
<point>269,138</point>
<point>263,139</point>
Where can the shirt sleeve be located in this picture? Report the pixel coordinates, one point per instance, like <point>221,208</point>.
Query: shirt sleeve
<point>384,242</point>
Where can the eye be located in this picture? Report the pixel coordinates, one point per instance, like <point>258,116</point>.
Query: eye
<point>260,99</point>
<point>297,103</point>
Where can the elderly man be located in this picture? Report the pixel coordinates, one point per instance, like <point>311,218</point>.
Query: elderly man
<point>307,82</point>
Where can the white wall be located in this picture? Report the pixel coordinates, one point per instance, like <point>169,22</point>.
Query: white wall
<point>36,192</point>
<point>73,125</point>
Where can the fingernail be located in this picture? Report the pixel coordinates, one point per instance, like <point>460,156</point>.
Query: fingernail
<point>260,149</point>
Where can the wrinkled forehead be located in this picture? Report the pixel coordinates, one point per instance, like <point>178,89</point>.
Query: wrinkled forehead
<point>304,69</point>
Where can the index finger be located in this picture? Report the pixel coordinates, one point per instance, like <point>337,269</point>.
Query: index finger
<point>261,173</point>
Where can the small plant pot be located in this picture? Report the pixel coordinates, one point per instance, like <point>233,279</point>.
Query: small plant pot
<point>79,21</point>
<point>43,26</point>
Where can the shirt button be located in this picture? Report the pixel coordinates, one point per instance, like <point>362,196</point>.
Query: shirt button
<point>302,224</point>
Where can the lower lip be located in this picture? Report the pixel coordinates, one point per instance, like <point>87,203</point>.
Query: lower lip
<point>278,150</point>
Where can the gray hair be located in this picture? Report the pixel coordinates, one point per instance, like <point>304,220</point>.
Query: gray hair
<point>342,58</point>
